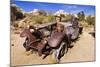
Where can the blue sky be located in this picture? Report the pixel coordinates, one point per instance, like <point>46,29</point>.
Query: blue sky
<point>70,8</point>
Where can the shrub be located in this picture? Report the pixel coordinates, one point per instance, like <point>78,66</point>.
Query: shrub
<point>90,20</point>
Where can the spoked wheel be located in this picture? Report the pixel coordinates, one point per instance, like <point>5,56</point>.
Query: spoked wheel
<point>25,46</point>
<point>80,30</point>
<point>63,51</point>
<point>58,53</point>
<point>66,48</point>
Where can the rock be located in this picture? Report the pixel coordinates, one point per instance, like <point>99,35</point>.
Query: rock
<point>12,44</point>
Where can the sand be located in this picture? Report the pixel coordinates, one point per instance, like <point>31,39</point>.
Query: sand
<point>83,50</point>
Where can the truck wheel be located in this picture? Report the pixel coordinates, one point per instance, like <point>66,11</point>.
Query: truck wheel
<point>24,44</point>
<point>80,30</point>
<point>26,47</point>
<point>66,48</point>
<point>55,55</point>
<point>58,53</point>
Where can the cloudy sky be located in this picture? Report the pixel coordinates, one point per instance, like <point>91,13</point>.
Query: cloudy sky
<point>69,8</point>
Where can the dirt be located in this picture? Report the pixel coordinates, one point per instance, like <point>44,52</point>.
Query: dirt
<point>83,50</point>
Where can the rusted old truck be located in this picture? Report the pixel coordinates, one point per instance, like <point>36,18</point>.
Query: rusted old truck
<point>46,42</point>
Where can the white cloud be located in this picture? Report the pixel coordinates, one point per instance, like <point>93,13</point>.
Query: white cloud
<point>69,7</point>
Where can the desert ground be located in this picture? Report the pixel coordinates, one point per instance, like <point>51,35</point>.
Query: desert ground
<point>83,50</point>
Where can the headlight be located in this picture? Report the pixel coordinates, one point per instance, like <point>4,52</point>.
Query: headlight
<point>31,30</point>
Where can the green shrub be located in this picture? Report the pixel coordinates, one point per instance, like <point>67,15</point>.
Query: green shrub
<point>90,20</point>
